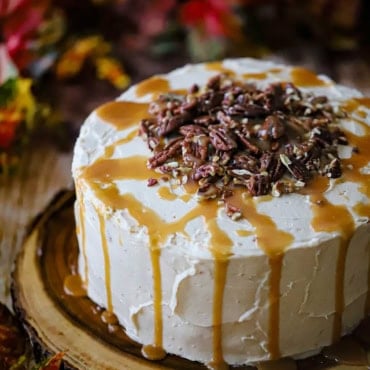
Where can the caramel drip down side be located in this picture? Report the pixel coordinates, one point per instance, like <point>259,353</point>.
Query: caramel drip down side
<point>104,245</point>
<point>333,218</point>
<point>158,231</point>
<point>220,273</point>
<point>155,351</point>
<point>220,246</point>
<point>273,242</point>
<point>82,231</point>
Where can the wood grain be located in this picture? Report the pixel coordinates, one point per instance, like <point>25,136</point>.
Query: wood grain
<point>42,173</point>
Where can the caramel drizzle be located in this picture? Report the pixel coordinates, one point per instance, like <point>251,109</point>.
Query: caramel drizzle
<point>82,230</point>
<point>165,192</point>
<point>123,114</point>
<point>74,286</point>
<point>104,246</point>
<point>255,76</point>
<point>273,242</point>
<point>305,78</point>
<point>244,233</point>
<point>219,67</point>
<point>106,170</point>
<point>270,239</point>
<point>220,246</point>
<point>153,85</point>
<point>103,172</point>
<point>109,150</point>
<point>332,218</point>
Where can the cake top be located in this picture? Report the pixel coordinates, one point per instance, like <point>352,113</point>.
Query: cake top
<point>263,128</point>
<point>232,134</point>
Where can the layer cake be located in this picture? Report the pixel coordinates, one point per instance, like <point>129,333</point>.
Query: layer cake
<point>203,227</point>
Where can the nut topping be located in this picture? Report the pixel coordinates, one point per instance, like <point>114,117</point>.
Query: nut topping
<point>233,134</point>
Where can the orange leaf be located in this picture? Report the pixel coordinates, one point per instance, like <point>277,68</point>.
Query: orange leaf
<point>54,362</point>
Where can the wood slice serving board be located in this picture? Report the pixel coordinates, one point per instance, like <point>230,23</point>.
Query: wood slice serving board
<point>58,322</point>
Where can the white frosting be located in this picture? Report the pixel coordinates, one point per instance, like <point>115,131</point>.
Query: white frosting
<point>307,285</point>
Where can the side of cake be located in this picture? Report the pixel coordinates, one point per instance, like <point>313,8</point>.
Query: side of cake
<point>261,278</point>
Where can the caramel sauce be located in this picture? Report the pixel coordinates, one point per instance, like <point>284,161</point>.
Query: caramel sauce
<point>315,188</point>
<point>244,233</point>
<point>109,150</point>
<point>273,242</point>
<point>269,238</point>
<point>303,77</point>
<point>220,273</point>
<point>155,254</point>
<point>362,209</point>
<point>158,231</point>
<point>109,317</point>
<point>153,85</point>
<point>350,105</point>
<point>275,70</point>
<point>108,170</point>
<point>191,187</point>
<point>123,114</point>
<point>328,217</point>
<point>352,166</point>
<point>152,352</point>
<point>331,218</point>
<point>362,114</point>
<point>364,101</point>
<point>220,246</point>
<point>104,245</point>
<point>186,197</point>
<point>255,76</point>
<point>82,231</point>
<point>214,365</point>
<point>219,67</point>
<point>74,286</point>
<point>165,192</point>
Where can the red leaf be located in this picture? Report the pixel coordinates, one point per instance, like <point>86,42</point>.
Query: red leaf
<point>54,362</point>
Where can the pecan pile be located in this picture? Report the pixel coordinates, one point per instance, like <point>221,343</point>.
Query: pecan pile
<point>231,133</point>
